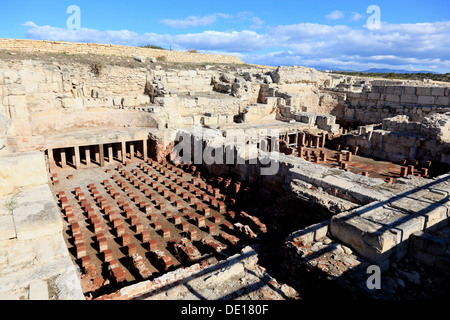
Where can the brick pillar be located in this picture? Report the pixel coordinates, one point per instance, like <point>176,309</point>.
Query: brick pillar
<point>349,156</point>
<point>63,158</point>
<point>322,142</point>
<point>110,153</point>
<point>77,159</point>
<point>87,151</point>
<point>403,172</point>
<point>51,160</point>
<point>144,149</point>
<point>131,150</point>
<point>123,151</point>
<point>97,153</point>
<point>302,140</point>
<point>101,153</point>
<point>316,141</point>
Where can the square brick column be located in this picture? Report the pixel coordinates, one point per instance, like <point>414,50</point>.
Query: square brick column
<point>63,158</point>
<point>123,151</point>
<point>144,149</point>
<point>87,151</point>
<point>97,153</point>
<point>51,160</point>
<point>131,150</point>
<point>76,156</point>
<point>110,153</point>
<point>101,153</point>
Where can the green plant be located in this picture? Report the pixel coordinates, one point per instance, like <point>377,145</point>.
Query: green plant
<point>10,204</point>
<point>96,68</point>
<point>161,58</point>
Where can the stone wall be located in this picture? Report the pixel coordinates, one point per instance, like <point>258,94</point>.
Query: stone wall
<point>105,49</point>
<point>372,106</point>
<point>399,137</point>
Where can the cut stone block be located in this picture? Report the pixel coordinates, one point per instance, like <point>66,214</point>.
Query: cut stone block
<point>7,229</point>
<point>36,214</point>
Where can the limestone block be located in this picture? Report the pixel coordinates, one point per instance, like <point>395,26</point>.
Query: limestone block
<point>128,102</point>
<point>142,99</point>
<point>117,101</point>
<point>374,96</point>
<point>36,214</point>
<point>399,90</point>
<point>410,90</point>
<point>49,248</point>
<point>438,91</point>
<point>21,170</point>
<point>18,107</point>
<point>72,103</point>
<point>223,119</point>
<point>19,255</point>
<point>368,238</point>
<point>432,211</point>
<point>426,100</point>
<point>423,91</point>
<point>408,98</point>
<point>429,243</point>
<point>392,98</point>
<point>6,187</point>
<point>443,101</point>
<point>7,230</point>
<point>38,290</point>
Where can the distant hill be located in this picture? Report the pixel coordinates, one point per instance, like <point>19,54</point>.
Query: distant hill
<point>375,70</point>
<point>372,70</point>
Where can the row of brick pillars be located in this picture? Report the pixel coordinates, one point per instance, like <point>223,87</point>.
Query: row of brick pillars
<point>98,153</point>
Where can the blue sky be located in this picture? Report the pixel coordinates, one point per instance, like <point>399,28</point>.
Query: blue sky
<point>412,35</point>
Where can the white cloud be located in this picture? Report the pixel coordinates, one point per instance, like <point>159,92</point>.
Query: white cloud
<point>335,15</point>
<point>419,46</point>
<point>194,21</point>
<point>356,16</point>
<point>256,22</point>
<point>207,20</point>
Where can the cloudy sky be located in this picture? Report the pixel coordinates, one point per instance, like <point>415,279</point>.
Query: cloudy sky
<point>350,35</point>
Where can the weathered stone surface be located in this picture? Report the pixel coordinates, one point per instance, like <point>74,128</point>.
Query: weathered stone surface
<point>38,290</point>
<point>36,214</point>
<point>7,229</point>
<point>25,169</point>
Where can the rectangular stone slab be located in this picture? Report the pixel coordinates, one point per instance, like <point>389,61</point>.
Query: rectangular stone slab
<point>36,214</point>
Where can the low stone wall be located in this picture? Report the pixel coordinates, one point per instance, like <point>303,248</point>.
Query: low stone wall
<point>109,49</point>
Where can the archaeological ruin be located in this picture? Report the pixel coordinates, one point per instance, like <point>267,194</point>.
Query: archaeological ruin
<point>135,173</point>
